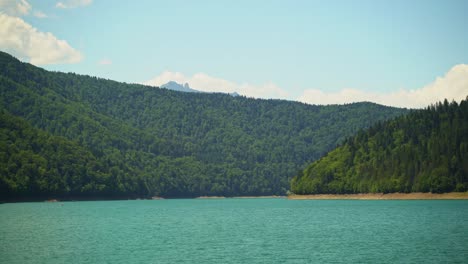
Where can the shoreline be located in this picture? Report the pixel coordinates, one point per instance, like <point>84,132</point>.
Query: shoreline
<point>261,197</point>
<point>360,196</point>
<point>382,196</point>
<point>209,197</point>
<point>241,197</point>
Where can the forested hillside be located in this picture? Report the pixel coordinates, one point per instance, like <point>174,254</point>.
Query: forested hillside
<point>35,163</point>
<point>126,140</point>
<point>424,151</point>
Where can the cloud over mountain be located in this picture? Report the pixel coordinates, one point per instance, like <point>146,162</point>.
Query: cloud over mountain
<point>452,86</point>
<point>206,83</point>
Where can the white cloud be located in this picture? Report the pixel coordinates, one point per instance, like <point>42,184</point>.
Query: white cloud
<point>39,14</point>
<point>73,3</point>
<point>105,62</point>
<point>26,42</point>
<point>165,77</point>
<point>15,7</point>
<point>18,8</point>
<point>206,83</point>
<point>453,86</point>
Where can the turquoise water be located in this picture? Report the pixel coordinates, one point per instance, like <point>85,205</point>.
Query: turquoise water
<point>235,231</point>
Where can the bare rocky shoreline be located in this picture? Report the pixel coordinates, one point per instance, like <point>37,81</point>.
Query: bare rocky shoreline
<point>241,197</point>
<point>382,196</point>
<point>361,196</point>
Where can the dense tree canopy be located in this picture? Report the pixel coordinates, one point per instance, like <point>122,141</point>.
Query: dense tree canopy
<point>105,138</point>
<point>424,151</point>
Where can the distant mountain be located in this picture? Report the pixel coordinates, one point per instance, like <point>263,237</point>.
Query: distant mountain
<point>68,136</point>
<point>179,87</point>
<point>424,151</point>
<point>186,88</point>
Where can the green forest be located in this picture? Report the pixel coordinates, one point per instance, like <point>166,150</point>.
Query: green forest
<point>424,151</point>
<point>73,136</point>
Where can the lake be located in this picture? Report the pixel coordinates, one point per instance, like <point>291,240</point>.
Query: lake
<point>235,231</point>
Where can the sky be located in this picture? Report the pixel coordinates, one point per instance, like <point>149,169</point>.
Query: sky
<point>398,53</point>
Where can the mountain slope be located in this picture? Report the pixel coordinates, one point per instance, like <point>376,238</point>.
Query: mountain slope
<point>37,164</point>
<point>152,141</point>
<point>424,151</point>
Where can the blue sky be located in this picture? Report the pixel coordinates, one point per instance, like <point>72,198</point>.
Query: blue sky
<point>412,52</point>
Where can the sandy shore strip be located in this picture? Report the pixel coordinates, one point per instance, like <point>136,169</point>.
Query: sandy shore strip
<point>241,197</point>
<point>210,197</point>
<point>259,197</point>
<point>382,196</point>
